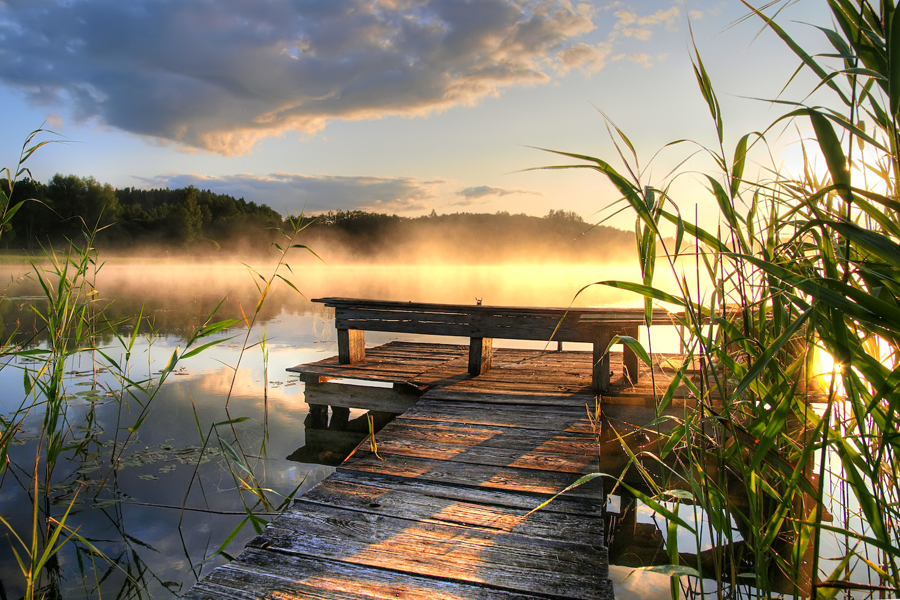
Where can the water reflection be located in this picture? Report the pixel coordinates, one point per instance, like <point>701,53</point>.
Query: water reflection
<point>329,441</point>
<point>174,498</point>
<point>176,298</point>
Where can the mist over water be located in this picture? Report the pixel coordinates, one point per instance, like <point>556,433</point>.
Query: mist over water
<point>514,284</point>
<point>552,284</point>
<point>175,297</point>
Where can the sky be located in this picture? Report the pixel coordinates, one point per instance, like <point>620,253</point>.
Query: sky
<point>394,106</point>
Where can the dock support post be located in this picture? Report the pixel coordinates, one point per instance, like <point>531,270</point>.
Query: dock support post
<point>600,375</point>
<point>351,346</point>
<point>481,351</point>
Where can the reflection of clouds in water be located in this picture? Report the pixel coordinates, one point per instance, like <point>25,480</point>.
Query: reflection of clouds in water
<point>297,332</point>
<point>630,584</point>
<point>246,383</point>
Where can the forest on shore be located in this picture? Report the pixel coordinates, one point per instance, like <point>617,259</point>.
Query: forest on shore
<point>200,223</point>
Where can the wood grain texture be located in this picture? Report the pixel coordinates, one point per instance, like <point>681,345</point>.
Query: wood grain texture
<point>481,350</point>
<point>263,574</point>
<point>515,479</point>
<point>442,511</point>
<point>597,326</point>
<point>492,509</point>
<point>359,396</point>
<point>517,372</point>
<point>351,346</point>
<point>507,561</point>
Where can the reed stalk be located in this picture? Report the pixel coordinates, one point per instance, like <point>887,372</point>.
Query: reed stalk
<point>799,267</point>
<point>73,319</point>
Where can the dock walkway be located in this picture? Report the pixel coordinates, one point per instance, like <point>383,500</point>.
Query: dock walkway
<point>439,512</point>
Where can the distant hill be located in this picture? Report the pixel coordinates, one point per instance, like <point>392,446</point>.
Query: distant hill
<point>197,222</point>
<point>466,238</point>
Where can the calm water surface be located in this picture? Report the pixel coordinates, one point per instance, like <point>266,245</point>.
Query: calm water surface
<point>160,516</point>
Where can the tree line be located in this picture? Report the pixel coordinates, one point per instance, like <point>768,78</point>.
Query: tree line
<point>128,218</point>
<point>466,238</point>
<point>193,221</point>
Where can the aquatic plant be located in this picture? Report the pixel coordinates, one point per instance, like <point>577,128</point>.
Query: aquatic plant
<point>80,344</point>
<point>800,267</point>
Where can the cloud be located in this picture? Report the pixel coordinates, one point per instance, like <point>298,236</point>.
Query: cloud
<point>630,24</point>
<point>482,191</point>
<point>477,194</point>
<point>642,58</point>
<point>589,59</point>
<point>222,75</point>
<point>291,193</point>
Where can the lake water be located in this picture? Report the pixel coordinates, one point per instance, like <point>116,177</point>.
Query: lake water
<point>160,516</point>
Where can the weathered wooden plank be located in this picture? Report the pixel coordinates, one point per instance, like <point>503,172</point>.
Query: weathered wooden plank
<point>395,362</point>
<point>368,370</point>
<point>552,374</point>
<point>518,397</point>
<point>508,327</point>
<point>513,438</point>
<point>517,370</point>
<point>506,383</point>
<point>362,496</point>
<point>465,408</point>
<point>440,511</point>
<point>543,376</point>
<point>526,448</point>
<point>389,446</point>
<point>511,561</point>
<point>394,400</point>
<point>599,312</point>
<point>261,574</point>
<point>533,481</point>
<point>446,373</point>
<point>584,506</point>
<point>596,326</point>
<point>541,372</point>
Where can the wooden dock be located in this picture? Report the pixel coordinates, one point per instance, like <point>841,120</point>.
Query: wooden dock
<point>440,510</point>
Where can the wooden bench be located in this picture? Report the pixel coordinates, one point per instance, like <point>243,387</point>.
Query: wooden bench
<point>481,324</point>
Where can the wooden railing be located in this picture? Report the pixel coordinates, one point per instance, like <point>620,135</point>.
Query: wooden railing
<point>481,324</point>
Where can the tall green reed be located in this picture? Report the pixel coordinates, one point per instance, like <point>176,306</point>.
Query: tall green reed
<point>73,318</point>
<point>257,500</point>
<point>799,266</point>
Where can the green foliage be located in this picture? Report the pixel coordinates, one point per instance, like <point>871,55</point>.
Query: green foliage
<point>797,268</point>
<point>196,221</point>
<point>186,218</point>
<point>466,238</point>
<point>82,202</point>
<point>72,314</point>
